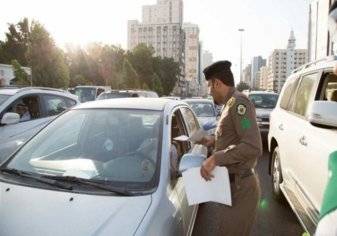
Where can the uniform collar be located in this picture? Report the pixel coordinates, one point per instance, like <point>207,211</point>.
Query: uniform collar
<point>229,95</point>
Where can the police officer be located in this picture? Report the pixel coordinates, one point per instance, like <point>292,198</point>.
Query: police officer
<point>237,143</point>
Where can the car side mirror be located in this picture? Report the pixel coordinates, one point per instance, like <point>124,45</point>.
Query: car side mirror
<point>323,113</point>
<point>10,118</point>
<point>190,160</point>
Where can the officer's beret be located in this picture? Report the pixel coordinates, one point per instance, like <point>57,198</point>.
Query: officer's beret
<point>220,70</point>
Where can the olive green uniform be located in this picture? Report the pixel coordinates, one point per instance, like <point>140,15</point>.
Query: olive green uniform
<point>237,126</point>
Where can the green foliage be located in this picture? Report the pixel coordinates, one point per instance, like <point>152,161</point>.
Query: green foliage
<point>242,86</point>
<point>21,77</point>
<point>130,76</point>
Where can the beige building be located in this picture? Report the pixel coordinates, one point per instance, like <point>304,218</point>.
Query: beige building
<point>263,78</point>
<point>282,62</point>
<point>247,74</point>
<point>165,11</point>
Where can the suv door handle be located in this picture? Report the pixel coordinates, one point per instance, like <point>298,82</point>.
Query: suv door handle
<point>303,141</point>
<point>280,127</point>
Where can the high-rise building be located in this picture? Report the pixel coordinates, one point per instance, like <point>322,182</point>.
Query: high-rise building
<point>319,42</point>
<point>257,63</point>
<point>161,29</point>
<point>282,62</point>
<point>192,56</point>
<point>247,74</point>
<point>263,78</point>
<point>165,11</point>
<point>207,59</point>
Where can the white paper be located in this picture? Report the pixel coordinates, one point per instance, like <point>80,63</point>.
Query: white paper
<point>199,190</point>
<point>195,137</point>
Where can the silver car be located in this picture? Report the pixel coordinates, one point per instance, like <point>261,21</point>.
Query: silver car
<point>24,111</point>
<point>103,168</point>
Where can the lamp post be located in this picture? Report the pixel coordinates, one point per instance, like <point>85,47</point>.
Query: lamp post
<point>241,39</point>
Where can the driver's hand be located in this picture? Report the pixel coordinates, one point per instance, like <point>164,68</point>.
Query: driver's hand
<point>207,141</point>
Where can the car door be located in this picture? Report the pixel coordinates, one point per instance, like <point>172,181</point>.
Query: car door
<point>300,166</point>
<point>281,122</point>
<point>12,136</point>
<point>191,125</point>
<point>315,146</point>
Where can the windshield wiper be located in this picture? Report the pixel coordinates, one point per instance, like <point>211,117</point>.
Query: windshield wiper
<point>76,180</point>
<point>36,178</point>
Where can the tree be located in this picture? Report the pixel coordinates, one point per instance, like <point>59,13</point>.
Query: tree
<point>78,80</point>
<point>47,61</point>
<point>130,76</point>
<point>21,77</point>
<point>168,71</point>
<point>156,84</point>
<point>242,86</point>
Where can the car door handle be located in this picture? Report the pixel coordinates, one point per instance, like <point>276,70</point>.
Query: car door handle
<point>303,141</point>
<point>280,127</point>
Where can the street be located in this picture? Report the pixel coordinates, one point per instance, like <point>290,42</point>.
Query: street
<point>273,218</point>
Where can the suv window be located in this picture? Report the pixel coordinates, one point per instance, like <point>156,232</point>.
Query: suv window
<point>55,104</point>
<point>304,93</point>
<point>288,92</point>
<point>99,91</point>
<point>28,107</point>
<point>328,91</point>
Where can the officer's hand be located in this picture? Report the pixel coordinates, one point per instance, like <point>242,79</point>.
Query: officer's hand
<point>207,141</point>
<point>207,167</point>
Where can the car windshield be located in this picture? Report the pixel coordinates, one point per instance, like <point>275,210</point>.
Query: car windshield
<point>202,109</point>
<point>85,94</point>
<point>3,98</point>
<point>118,146</point>
<point>264,100</point>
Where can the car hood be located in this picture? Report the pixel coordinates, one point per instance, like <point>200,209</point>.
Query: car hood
<point>263,113</point>
<point>33,211</point>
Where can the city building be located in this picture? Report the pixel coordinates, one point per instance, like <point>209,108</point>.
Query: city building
<point>165,11</point>
<point>319,43</point>
<point>263,79</point>
<point>7,74</point>
<point>282,62</point>
<point>257,63</point>
<point>192,56</point>
<point>247,74</point>
<point>207,59</point>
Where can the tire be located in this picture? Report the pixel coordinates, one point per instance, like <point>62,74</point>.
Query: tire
<point>276,175</point>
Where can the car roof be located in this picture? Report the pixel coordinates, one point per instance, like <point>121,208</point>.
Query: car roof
<point>196,100</point>
<point>29,90</point>
<point>131,103</point>
<point>327,62</point>
<point>8,91</point>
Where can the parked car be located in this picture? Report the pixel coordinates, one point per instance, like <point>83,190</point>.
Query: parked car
<point>303,133</point>
<point>126,94</point>
<point>103,168</point>
<point>89,93</point>
<point>264,103</point>
<point>172,97</point>
<point>205,112</point>
<point>24,111</point>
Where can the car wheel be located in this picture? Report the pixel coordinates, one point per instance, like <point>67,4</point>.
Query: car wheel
<point>276,175</point>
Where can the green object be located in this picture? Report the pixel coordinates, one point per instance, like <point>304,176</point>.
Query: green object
<point>263,204</point>
<point>305,234</point>
<point>245,123</point>
<point>330,195</point>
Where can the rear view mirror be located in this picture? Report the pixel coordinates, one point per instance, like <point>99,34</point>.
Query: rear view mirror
<point>323,113</point>
<point>10,118</point>
<point>190,160</point>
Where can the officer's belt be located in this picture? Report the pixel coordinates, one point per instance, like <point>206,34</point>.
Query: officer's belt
<point>243,175</point>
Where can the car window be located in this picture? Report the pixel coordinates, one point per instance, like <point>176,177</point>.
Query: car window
<point>288,93</point>
<point>55,104</point>
<point>191,121</point>
<point>328,91</point>
<point>304,93</point>
<point>264,100</point>
<point>99,91</point>
<point>111,145</point>
<point>28,107</point>
<point>202,109</point>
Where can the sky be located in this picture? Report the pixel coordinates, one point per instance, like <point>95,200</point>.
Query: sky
<point>267,23</point>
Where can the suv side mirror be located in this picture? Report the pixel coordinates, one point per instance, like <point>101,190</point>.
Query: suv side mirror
<point>10,118</point>
<point>190,160</point>
<point>323,113</point>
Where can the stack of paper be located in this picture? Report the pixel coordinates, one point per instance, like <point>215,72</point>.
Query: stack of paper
<point>199,190</point>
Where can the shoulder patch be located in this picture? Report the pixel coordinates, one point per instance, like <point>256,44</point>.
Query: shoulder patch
<point>241,109</point>
<point>230,102</point>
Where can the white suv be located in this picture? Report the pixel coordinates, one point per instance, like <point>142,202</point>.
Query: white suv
<point>24,111</point>
<point>303,132</point>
